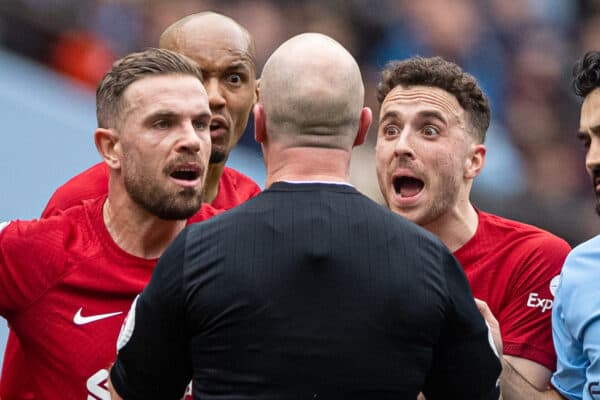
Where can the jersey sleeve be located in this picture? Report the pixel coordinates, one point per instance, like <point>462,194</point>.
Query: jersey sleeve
<point>153,359</point>
<point>465,364</point>
<point>525,320</point>
<point>31,261</point>
<point>576,326</point>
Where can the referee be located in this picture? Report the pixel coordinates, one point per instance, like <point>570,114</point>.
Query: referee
<point>309,290</point>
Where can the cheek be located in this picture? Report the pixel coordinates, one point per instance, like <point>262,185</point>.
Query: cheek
<point>241,104</point>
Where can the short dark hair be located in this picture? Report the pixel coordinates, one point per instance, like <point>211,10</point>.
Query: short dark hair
<point>443,74</point>
<point>586,73</point>
<point>131,68</point>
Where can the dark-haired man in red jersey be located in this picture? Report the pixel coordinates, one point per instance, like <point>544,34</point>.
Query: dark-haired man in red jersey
<point>225,52</point>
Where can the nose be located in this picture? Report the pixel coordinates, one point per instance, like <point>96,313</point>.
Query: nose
<point>190,139</point>
<point>403,147</point>
<point>216,99</point>
<point>592,158</point>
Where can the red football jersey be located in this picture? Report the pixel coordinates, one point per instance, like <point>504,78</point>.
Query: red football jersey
<point>234,189</point>
<point>514,267</point>
<point>65,288</point>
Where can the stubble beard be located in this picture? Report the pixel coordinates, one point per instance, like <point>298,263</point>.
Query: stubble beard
<point>442,203</point>
<point>157,201</point>
<point>217,157</point>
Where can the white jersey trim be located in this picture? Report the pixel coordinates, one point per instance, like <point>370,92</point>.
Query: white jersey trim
<point>4,225</point>
<point>127,327</point>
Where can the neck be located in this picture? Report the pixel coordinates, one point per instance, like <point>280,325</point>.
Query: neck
<point>307,164</point>
<point>211,185</point>
<point>457,226</point>
<point>135,230</point>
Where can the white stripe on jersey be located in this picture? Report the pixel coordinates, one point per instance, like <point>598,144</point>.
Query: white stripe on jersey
<point>127,327</point>
<point>4,225</point>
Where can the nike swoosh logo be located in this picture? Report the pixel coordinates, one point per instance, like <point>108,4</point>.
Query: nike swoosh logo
<point>82,320</point>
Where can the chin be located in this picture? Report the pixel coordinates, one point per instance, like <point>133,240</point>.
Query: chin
<point>217,157</point>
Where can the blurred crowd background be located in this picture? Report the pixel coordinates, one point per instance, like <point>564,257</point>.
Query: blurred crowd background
<point>521,51</point>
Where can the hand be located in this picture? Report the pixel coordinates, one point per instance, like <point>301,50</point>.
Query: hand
<point>492,323</point>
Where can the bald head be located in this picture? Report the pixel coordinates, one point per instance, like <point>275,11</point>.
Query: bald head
<point>185,34</point>
<point>312,93</point>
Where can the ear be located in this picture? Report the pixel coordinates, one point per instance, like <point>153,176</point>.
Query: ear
<point>364,122</point>
<point>109,147</point>
<point>475,161</point>
<point>260,123</point>
<point>256,90</point>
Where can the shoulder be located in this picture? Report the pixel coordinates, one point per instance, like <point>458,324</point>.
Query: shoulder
<point>239,180</point>
<point>577,294</point>
<point>581,264</point>
<point>44,247</point>
<point>524,236</point>
<point>89,184</point>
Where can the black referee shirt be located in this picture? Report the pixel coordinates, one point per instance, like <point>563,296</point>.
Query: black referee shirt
<point>307,291</point>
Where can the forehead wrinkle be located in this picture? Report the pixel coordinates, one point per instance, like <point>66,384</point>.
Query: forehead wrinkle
<point>136,98</point>
<point>430,96</point>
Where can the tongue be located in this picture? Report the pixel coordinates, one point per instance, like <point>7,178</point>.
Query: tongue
<point>410,187</point>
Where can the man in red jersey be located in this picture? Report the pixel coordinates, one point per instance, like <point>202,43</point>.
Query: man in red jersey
<point>67,281</point>
<point>226,54</point>
<point>225,51</point>
<point>432,126</point>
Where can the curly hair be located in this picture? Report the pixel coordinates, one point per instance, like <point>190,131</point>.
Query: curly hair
<point>586,73</point>
<point>443,74</point>
<point>131,68</point>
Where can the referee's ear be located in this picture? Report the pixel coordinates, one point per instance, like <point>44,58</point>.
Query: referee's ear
<point>364,122</point>
<point>109,147</point>
<point>260,124</point>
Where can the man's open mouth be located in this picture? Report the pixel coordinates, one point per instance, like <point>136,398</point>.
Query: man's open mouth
<point>186,173</point>
<point>408,186</point>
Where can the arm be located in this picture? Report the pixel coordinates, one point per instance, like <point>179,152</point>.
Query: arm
<point>536,374</point>
<point>516,387</point>
<point>153,359</point>
<point>113,394</point>
<point>525,315</point>
<point>513,385</point>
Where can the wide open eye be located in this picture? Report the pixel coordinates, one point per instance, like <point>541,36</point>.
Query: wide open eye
<point>390,130</point>
<point>430,131</point>
<point>235,79</point>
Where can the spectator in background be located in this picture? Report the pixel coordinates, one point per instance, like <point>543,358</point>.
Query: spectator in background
<point>430,147</point>
<point>486,38</point>
<point>576,313</point>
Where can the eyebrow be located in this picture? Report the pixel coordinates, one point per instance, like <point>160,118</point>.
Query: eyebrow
<point>390,115</point>
<point>238,65</point>
<point>422,114</point>
<point>595,129</point>
<point>170,114</point>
